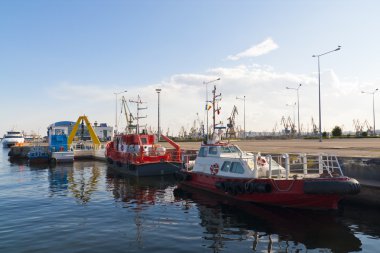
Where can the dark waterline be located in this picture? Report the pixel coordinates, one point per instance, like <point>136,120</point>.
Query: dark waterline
<point>87,207</point>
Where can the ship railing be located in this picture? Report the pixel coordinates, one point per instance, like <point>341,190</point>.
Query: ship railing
<point>87,146</point>
<point>302,165</point>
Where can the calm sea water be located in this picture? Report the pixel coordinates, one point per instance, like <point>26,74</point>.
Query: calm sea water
<point>86,207</point>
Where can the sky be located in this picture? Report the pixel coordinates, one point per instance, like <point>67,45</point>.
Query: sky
<point>64,58</point>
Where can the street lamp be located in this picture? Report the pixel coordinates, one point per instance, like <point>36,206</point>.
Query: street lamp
<point>319,89</point>
<point>244,113</point>
<point>158,131</point>
<point>373,108</point>
<point>117,93</point>
<point>208,101</point>
<point>298,103</point>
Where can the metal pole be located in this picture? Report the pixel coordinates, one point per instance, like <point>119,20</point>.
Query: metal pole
<point>319,90</point>
<point>244,115</point>
<point>158,127</point>
<point>373,110</point>
<point>319,96</point>
<point>117,93</point>
<point>207,102</point>
<point>115,114</point>
<point>298,104</point>
<point>245,133</point>
<point>373,105</point>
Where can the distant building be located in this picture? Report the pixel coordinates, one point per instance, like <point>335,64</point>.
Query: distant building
<point>104,132</point>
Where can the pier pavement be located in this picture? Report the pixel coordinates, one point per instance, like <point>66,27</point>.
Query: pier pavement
<point>354,147</point>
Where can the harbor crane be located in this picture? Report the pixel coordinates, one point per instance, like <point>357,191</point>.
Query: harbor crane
<point>315,129</point>
<point>128,116</point>
<point>289,126</point>
<point>231,132</point>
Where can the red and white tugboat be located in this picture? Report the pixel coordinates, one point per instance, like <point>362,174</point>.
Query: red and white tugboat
<point>288,181</point>
<point>140,154</point>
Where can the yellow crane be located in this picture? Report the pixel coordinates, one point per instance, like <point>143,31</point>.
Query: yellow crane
<point>93,135</point>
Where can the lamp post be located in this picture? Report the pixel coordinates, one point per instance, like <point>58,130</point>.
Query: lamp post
<point>117,93</point>
<point>373,108</point>
<point>208,101</point>
<point>244,113</point>
<point>298,104</point>
<point>319,89</point>
<point>158,131</point>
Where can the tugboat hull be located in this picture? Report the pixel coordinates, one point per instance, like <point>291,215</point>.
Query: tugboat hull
<point>146,169</point>
<point>285,193</point>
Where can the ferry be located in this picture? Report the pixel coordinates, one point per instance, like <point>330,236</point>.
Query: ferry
<point>12,138</point>
<point>295,181</point>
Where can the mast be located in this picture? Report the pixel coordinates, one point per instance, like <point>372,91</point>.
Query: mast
<point>138,103</point>
<point>215,99</point>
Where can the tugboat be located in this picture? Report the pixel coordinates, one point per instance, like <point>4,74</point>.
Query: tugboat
<point>289,181</point>
<point>138,153</point>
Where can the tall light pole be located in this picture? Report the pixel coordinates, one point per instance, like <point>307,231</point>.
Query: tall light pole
<point>319,89</point>
<point>158,131</point>
<point>244,113</point>
<point>373,108</point>
<point>208,101</point>
<point>298,104</point>
<point>117,93</point>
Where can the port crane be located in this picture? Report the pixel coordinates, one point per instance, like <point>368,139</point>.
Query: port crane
<point>289,126</point>
<point>231,132</point>
<point>128,116</point>
<point>315,129</point>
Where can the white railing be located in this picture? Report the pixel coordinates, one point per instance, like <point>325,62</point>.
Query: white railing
<point>305,166</point>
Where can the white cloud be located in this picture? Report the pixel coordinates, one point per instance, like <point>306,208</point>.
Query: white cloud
<point>183,97</point>
<point>262,48</point>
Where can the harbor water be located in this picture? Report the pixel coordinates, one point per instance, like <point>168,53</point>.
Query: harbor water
<point>87,207</point>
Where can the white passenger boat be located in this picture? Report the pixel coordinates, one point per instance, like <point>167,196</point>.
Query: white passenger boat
<point>12,138</point>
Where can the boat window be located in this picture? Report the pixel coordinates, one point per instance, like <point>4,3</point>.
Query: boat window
<point>236,167</point>
<point>230,149</point>
<point>234,149</point>
<point>225,150</point>
<point>212,150</point>
<point>202,152</point>
<point>144,140</point>
<point>226,166</point>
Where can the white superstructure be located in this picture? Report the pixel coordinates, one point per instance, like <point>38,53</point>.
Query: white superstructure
<point>12,138</point>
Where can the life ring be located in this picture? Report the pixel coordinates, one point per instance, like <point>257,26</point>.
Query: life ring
<point>261,161</point>
<point>61,148</point>
<point>214,168</point>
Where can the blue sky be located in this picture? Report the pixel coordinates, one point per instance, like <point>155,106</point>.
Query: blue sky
<point>62,59</point>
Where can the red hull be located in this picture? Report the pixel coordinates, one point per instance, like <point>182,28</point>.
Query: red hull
<point>146,159</point>
<point>286,193</point>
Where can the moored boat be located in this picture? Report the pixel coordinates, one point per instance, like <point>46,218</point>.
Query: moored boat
<point>224,169</point>
<point>139,153</point>
<point>38,154</point>
<point>289,181</point>
<point>12,138</point>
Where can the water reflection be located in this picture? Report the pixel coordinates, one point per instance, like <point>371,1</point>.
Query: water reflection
<point>269,228</point>
<point>80,179</point>
<point>138,192</point>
